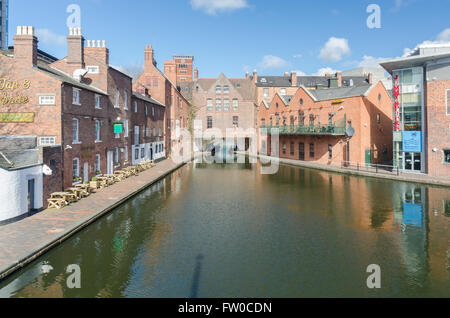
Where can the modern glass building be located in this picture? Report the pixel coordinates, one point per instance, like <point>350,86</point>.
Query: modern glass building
<point>4,24</point>
<point>421,110</point>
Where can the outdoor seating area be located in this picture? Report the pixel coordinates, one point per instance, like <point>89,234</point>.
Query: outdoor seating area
<point>59,200</point>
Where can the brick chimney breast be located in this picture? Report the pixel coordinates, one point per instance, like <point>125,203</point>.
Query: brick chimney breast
<point>339,78</point>
<point>294,78</point>
<point>25,45</point>
<point>75,47</point>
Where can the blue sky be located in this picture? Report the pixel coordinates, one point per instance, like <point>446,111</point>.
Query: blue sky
<point>235,36</point>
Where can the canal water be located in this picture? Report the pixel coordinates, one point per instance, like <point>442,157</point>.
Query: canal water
<point>226,230</point>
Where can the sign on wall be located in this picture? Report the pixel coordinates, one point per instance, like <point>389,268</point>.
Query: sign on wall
<point>16,117</point>
<point>412,141</point>
<point>118,128</point>
<point>396,104</point>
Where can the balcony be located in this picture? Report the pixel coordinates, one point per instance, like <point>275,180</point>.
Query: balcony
<point>316,130</point>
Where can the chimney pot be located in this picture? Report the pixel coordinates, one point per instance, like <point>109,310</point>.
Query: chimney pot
<point>294,78</point>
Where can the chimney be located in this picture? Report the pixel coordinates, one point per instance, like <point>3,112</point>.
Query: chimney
<point>247,75</point>
<point>286,74</point>
<point>294,78</point>
<point>196,73</point>
<point>327,75</point>
<point>255,76</point>
<point>170,70</point>
<point>75,47</point>
<point>98,50</point>
<point>149,56</point>
<point>339,78</point>
<point>370,78</point>
<point>25,46</point>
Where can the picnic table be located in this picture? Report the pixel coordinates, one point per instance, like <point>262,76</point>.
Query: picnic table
<point>104,182</point>
<point>132,170</point>
<point>85,189</point>
<point>111,178</point>
<point>120,175</point>
<point>76,191</point>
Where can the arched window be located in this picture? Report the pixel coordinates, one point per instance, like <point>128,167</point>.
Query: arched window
<point>301,101</point>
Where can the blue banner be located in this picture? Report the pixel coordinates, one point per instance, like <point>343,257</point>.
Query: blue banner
<point>412,141</point>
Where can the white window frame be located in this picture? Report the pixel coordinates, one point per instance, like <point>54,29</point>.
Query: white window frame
<point>283,92</point>
<point>98,131</point>
<point>154,132</point>
<point>235,104</point>
<point>159,132</point>
<point>266,92</point>
<point>218,89</point>
<point>97,165</point>
<point>125,100</point>
<point>146,131</point>
<point>77,131</point>
<point>93,69</point>
<point>226,89</point>
<point>135,106</point>
<point>76,96</point>
<point>77,174</point>
<point>98,101</point>
<point>125,153</point>
<point>51,139</point>
<point>52,101</point>
<point>447,98</point>
<point>116,98</point>
<point>126,124</point>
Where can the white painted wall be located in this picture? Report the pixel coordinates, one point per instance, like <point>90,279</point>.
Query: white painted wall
<point>14,191</point>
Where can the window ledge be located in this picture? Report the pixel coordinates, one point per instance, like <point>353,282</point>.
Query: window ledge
<point>77,104</point>
<point>98,141</point>
<point>76,183</point>
<point>76,142</point>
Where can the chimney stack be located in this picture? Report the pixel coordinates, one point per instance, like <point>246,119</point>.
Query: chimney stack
<point>25,45</point>
<point>255,76</point>
<point>170,70</point>
<point>98,50</point>
<point>370,78</point>
<point>75,47</point>
<point>196,73</point>
<point>294,78</point>
<point>247,75</point>
<point>339,78</point>
<point>149,56</point>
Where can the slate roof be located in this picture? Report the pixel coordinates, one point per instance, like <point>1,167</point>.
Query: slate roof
<point>147,99</point>
<point>307,81</point>
<point>18,152</point>
<point>340,92</point>
<point>287,99</point>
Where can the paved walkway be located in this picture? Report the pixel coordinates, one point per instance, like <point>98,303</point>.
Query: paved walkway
<point>406,177</point>
<point>24,241</point>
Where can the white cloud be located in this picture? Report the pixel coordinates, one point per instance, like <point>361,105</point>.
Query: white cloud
<point>334,49</point>
<point>211,7</point>
<point>297,56</point>
<point>300,73</point>
<point>325,70</point>
<point>370,61</point>
<point>444,36</point>
<point>46,36</point>
<point>271,61</point>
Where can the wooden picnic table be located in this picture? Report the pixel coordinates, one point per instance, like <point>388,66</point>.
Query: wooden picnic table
<point>111,178</point>
<point>68,197</point>
<point>85,188</point>
<point>132,170</point>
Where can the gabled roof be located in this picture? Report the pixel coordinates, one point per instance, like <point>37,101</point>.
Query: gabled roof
<point>307,81</point>
<point>287,99</point>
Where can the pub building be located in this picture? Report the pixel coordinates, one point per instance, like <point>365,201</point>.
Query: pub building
<point>421,110</point>
<point>79,108</point>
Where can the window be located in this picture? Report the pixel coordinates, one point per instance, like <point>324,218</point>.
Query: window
<point>116,155</point>
<point>153,111</point>
<point>283,91</point>
<point>379,98</point>
<point>235,104</point>
<point>159,132</point>
<point>135,107</point>
<point>448,102</point>
<point>125,153</point>
<point>97,130</point>
<point>301,102</point>
<point>266,92</point>
<point>125,100</point>
<point>226,104</point>
<point>75,169</point>
<point>136,154</point>
<point>125,133</point>
<point>311,150</point>
<point>218,105</point>
<point>116,99</point>
<point>146,110</point>
<point>154,132</point>
<point>447,156</point>
<point>146,131</point>
<point>97,165</point>
<point>235,121</point>
<point>76,96</point>
<point>292,148</point>
<point>209,104</point>
<point>284,148</point>
<point>311,120</point>
<point>330,152</point>
<point>218,89</point>
<point>47,100</point>
<point>47,141</point>
<point>276,106</point>
<point>98,101</point>
<point>210,122</point>
<point>93,69</point>
<point>226,89</point>
<point>75,130</point>
<point>263,122</point>
<point>378,118</point>
<point>142,153</point>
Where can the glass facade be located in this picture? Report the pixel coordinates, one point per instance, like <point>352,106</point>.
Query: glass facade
<point>408,140</point>
<point>4,24</point>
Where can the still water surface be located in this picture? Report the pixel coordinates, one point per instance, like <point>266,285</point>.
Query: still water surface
<point>228,231</point>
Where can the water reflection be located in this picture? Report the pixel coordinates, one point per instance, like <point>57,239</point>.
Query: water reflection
<point>225,230</point>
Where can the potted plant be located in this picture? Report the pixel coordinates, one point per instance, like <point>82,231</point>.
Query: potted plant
<point>94,184</point>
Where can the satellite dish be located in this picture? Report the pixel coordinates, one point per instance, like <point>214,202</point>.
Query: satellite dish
<point>350,132</point>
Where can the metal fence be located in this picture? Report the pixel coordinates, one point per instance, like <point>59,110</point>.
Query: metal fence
<point>373,168</point>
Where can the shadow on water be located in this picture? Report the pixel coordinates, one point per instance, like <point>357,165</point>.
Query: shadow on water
<point>196,278</point>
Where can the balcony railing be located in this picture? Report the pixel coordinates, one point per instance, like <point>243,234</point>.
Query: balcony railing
<point>330,130</point>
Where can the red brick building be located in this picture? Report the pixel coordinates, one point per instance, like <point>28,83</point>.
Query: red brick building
<point>73,105</point>
<point>163,88</point>
<point>184,68</point>
<point>330,126</point>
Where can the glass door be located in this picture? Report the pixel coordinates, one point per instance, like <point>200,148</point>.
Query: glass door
<point>413,161</point>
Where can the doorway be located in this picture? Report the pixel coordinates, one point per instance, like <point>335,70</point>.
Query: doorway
<point>301,151</point>
<point>30,196</point>
<point>86,172</point>
<point>413,161</point>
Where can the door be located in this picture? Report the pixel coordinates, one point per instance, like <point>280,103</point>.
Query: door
<point>368,157</point>
<point>151,152</point>
<point>301,151</point>
<point>86,172</point>
<point>30,196</point>
<point>110,162</point>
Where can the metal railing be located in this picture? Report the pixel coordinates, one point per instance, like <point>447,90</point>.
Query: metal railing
<point>333,130</point>
<point>373,168</point>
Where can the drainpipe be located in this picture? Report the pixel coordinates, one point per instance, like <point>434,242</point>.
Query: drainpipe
<point>63,147</point>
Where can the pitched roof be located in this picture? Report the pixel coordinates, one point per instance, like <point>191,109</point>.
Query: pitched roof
<point>340,92</point>
<point>286,99</point>
<point>147,99</point>
<point>307,81</point>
